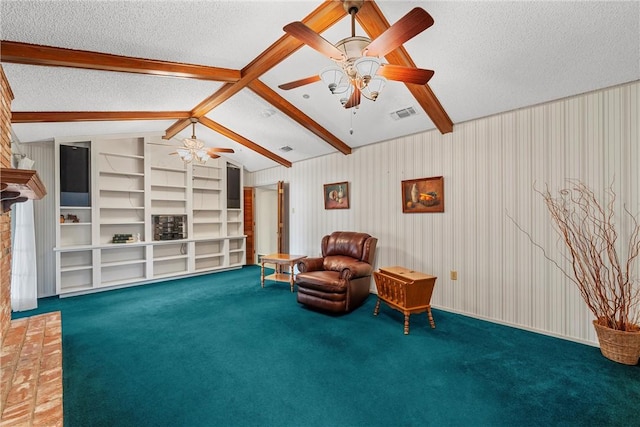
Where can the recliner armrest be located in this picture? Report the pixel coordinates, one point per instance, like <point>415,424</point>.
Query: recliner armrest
<point>355,270</point>
<point>310,264</point>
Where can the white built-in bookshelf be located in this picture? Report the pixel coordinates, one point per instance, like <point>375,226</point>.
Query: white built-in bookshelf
<point>131,181</point>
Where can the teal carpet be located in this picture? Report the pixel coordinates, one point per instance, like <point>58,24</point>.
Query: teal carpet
<point>218,350</point>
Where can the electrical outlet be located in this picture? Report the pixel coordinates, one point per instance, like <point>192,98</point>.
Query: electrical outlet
<point>454,275</point>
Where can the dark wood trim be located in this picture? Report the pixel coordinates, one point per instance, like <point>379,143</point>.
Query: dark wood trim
<point>282,246</point>
<point>269,95</point>
<point>176,127</point>
<point>323,17</point>
<point>374,23</point>
<point>25,53</point>
<point>19,185</point>
<point>249,224</point>
<point>93,116</point>
<point>217,127</point>
<point>225,92</point>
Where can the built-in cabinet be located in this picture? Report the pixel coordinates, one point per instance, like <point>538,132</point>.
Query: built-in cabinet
<point>135,186</point>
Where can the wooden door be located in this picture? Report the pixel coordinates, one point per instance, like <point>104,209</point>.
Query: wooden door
<point>249,225</point>
<point>283,218</point>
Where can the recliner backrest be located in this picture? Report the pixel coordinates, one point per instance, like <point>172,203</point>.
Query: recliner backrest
<point>359,246</point>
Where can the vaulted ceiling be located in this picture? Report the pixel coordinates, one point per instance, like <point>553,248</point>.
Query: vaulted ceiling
<point>84,67</point>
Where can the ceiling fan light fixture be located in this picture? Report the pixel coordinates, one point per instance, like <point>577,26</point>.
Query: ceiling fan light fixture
<point>184,154</point>
<point>367,67</point>
<point>202,156</point>
<point>332,77</point>
<point>368,82</point>
<point>192,148</point>
<point>343,86</point>
<point>352,47</point>
<point>374,88</point>
<point>348,92</point>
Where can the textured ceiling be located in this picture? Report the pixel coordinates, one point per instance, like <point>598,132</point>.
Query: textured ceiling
<point>488,57</point>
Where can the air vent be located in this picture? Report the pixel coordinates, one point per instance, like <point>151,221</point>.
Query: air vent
<point>403,114</point>
<point>286,148</point>
<point>267,112</point>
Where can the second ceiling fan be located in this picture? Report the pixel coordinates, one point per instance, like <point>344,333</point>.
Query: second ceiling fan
<point>358,70</point>
<point>194,149</point>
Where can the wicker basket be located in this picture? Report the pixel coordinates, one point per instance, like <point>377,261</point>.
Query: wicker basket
<point>619,346</point>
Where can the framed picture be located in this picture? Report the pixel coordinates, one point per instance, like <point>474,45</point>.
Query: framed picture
<point>423,195</point>
<point>336,195</point>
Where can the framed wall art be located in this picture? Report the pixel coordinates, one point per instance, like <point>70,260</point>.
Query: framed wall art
<point>423,195</point>
<point>336,195</point>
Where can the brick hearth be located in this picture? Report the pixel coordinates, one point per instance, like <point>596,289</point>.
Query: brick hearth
<point>31,358</point>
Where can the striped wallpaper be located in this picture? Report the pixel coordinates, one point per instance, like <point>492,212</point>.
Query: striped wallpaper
<point>44,211</point>
<point>491,167</point>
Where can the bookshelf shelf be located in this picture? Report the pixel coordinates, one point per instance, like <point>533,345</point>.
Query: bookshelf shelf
<point>133,179</point>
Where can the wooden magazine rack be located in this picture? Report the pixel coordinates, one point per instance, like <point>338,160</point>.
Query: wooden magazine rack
<point>405,290</point>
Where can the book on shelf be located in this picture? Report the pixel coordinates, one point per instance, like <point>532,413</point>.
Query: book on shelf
<point>123,238</point>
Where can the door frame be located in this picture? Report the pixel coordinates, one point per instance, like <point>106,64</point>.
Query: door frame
<point>249,197</point>
<point>282,189</point>
<point>283,217</point>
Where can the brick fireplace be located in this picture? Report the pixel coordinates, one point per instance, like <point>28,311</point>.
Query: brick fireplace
<point>5,218</point>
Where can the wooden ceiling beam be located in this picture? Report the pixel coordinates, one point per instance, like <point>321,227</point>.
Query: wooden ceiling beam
<point>269,95</point>
<point>225,92</point>
<point>177,127</point>
<point>181,124</point>
<point>217,127</point>
<point>93,116</point>
<point>374,23</point>
<point>25,53</point>
<point>323,17</point>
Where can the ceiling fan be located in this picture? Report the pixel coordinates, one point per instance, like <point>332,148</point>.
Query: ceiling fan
<point>194,149</point>
<point>358,70</point>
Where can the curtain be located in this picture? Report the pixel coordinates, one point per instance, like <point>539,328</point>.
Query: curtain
<point>24,281</point>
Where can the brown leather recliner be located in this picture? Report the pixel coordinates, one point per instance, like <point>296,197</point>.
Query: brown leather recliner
<point>339,280</point>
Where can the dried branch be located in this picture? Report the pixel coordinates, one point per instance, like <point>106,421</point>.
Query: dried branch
<point>607,285</point>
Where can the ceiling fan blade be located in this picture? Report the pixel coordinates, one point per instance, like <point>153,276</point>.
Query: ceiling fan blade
<point>354,99</point>
<point>410,25</point>
<point>301,82</point>
<point>214,156</point>
<point>312,39</point>
<point>219,150</point>
<point>403,74</point>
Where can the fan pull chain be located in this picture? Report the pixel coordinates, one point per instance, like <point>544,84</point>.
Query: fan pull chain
<point>351,128</point>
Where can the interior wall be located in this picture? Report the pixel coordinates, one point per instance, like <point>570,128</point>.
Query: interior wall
<point>266,216</point>
<point>491,167</point>
<point>45,213</point>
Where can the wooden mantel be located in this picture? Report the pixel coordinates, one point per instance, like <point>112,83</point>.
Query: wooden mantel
<point>19,185</point>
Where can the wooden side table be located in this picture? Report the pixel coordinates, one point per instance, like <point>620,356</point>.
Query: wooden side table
<point>405,290</point>
<point>279,260</point>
